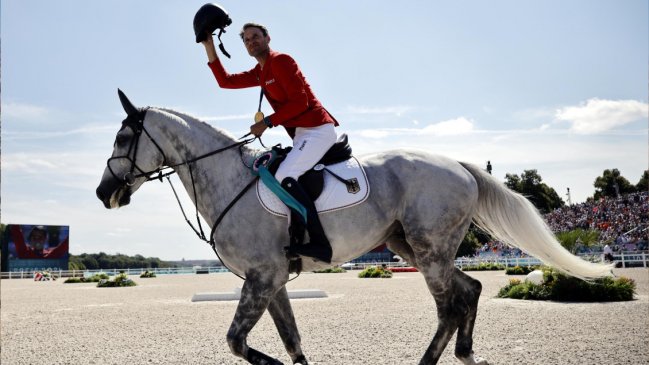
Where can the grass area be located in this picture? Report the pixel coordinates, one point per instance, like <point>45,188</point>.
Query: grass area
<point>119,280</point>
<point>375,272</point>
<point>484,266</point>
<point>92,279</point>
<point>520,270</point>
<point>559,287</point>
<point>148,274</point>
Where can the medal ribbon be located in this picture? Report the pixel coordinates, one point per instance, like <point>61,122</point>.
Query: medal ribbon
<point>261,95</point>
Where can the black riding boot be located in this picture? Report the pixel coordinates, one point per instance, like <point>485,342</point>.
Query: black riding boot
<point>318,246</point>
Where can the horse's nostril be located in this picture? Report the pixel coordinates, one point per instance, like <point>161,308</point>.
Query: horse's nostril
<point>100,194</point>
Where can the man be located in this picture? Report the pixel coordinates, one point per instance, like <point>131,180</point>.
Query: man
<point>296,109</point>
<point>34,248</point>
<point>608,253</point>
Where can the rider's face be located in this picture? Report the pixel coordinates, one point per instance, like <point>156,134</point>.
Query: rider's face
<point>37,239</point>
<point>255,41</point>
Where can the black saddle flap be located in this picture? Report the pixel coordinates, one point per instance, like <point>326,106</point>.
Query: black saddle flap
<point>339,152</point>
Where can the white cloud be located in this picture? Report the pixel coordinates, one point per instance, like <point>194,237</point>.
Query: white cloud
<point>459,125</point>
<point>23,111</point>
<point>598,115</point>
<point>456,126</point>
<point>29,163</point>
<point>91,130</point>
<point>392,110</point>
<point>374,134</point>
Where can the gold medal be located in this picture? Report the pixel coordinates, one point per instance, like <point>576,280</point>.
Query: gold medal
<point>259,116</point>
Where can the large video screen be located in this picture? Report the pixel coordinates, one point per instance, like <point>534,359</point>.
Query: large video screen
<point>28,247</point>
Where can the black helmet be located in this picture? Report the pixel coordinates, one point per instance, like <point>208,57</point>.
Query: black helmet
<point>209,18</point>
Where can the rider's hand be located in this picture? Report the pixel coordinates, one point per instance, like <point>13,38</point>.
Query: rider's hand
<point>209,40</point>
<point>209,48</point>
<point>258,128</point>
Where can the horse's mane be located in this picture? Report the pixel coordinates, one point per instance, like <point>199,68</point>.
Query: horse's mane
<point>195,122</point>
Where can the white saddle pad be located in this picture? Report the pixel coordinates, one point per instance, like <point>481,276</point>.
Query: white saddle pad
<point>335,195</point>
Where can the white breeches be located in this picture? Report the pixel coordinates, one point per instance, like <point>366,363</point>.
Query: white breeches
<point>309,145</point>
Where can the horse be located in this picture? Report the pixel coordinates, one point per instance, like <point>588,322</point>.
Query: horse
<point>420,205</point>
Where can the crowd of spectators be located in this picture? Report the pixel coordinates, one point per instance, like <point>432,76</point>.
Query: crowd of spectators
<point>497,248</point>
<point>622,222</point>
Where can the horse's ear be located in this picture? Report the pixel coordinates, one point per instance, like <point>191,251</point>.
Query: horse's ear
<point>129,108</point>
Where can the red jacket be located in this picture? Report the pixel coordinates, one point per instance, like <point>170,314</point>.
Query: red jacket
<point>286,89</point>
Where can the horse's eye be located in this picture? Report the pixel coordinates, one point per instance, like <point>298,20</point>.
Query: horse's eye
<point>121,140</point>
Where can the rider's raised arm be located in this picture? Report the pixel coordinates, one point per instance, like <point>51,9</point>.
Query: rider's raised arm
<point>22,249</point>
<point>223,78</point>
<point>233,81</point>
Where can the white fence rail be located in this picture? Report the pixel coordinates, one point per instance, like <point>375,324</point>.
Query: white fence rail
<point>624,259</point>
<point>87,273</point>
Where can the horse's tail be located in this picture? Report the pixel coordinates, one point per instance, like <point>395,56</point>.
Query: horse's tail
<point>512,219</point>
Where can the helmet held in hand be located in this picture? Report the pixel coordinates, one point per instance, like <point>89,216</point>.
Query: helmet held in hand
<point>209,18</point>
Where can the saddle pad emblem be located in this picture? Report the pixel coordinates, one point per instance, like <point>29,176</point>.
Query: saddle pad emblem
<point>335,195</point>
<point>354,187</point>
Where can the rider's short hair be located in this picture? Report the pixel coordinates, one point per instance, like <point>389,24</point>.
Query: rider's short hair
<point>263,29</point>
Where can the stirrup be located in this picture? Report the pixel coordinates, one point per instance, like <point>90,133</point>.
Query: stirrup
<point>291,255</point>
<point>317,252</point>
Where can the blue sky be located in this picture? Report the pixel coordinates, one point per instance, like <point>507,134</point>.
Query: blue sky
<point>557,86</point>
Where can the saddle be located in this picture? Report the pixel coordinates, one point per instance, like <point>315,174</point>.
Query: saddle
<point>313,180</point>
<point>313,183</point>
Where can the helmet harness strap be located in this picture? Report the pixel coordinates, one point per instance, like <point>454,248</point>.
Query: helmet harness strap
<point>221,47</point>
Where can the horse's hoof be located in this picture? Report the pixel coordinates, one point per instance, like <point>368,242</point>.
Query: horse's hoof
<point>301,360</point>
<point>473,360</point>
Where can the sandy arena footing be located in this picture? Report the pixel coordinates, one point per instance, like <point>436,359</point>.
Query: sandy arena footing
<point>362,321</point>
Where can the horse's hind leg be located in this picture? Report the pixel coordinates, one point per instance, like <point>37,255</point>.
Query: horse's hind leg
<point>280,309</point>
<point>467,291</point>
<point>439,277</point>
<point>456,296</point>
<point>257,292</point>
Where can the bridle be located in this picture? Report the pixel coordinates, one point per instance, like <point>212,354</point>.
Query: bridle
<point>135,121</point>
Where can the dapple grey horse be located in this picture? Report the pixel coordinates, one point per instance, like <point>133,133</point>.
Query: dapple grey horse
<point>420,204</point>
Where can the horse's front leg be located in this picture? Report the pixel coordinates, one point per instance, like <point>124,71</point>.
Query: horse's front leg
<point>257,292</point>
<point>280,309</point>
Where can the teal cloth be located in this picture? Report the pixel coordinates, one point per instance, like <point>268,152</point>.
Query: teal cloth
<point>271,182</point>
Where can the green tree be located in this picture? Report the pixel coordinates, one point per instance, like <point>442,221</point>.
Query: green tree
<point>101,260</point>
<point>513,182</point>
<point>469,245</point>
<point>531,185</point>
<point>76,263</point>
<point>90,262</point>
<point>611,184</point>
<point>643,184</point>
<point>473,240</point>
